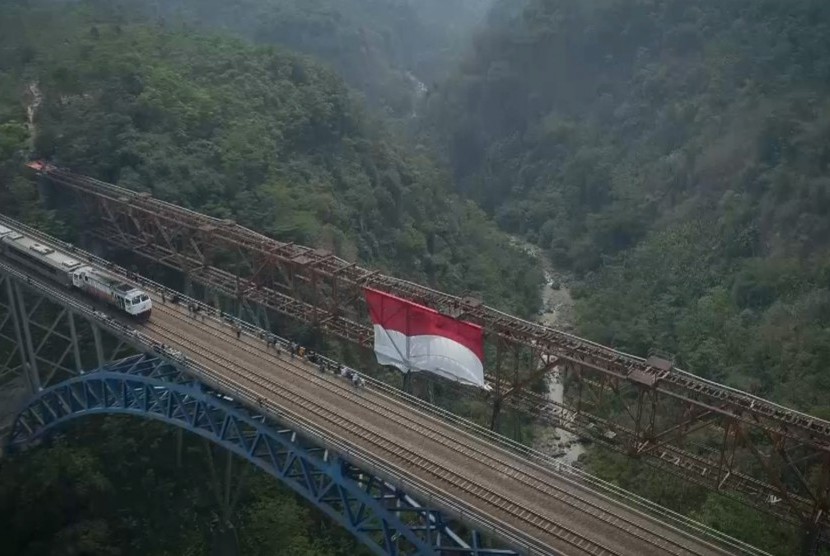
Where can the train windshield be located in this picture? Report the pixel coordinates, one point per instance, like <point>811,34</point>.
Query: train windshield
<point>138,299</point>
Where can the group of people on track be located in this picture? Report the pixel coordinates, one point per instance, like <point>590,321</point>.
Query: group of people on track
<point>271,340</point>
<point>296,350</point>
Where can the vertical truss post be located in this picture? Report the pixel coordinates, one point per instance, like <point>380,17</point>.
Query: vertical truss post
<point>17,333</point>
<point>638,439</point>
<point>652,423</point>
<point>217,300</point>
<point>822,502</point>
<point>99,346</point>
<point>265,320</point>
<point>476,542</point>
<point>188,284</point>
<point>31,365</point>
<point>73,334</point>
<point>517,355</point>
<point>494,419</point>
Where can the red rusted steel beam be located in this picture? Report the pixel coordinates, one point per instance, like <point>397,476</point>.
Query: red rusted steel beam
<point>317,287</point>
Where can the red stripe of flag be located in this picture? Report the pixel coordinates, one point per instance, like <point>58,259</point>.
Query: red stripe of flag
<point>394,313</point>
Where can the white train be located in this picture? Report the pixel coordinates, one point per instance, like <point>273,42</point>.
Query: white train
<point>62,267</point>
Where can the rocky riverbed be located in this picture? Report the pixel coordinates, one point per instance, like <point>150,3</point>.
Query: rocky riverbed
<point>556,312</point>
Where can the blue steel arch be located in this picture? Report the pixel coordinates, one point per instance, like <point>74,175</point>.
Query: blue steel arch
<point>381,516</point>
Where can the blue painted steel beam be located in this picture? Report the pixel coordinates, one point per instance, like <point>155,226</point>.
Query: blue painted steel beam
<point>384,518</point>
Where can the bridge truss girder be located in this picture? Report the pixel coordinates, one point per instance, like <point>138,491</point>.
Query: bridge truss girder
<point>751,448</point>
<point>48,343</point>
<point>382,515</point>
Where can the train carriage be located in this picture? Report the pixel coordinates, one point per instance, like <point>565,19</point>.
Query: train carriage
<point>68,271</point>
<point>125,296</point>
<point>38,257</point>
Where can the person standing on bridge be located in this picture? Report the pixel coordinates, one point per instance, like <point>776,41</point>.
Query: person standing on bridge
<point>238,329</point>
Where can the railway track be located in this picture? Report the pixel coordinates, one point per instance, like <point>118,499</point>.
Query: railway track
<point>510,491</point>
<point>529,474</point>
<point>636,536</point>
<point>361,433</point>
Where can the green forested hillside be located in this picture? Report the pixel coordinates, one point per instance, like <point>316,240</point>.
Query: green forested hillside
<point>674,154</point>
<point>116,486</point>
<point>380,47</point>
<point>257,134</point>
<point>272,139</point>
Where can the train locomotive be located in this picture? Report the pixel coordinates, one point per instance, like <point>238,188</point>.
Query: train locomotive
<point>70,272</point>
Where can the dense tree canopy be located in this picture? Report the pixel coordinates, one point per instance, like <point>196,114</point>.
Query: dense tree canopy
<point>675,155</point>
<point>267,137</point>
<point>276,141</point>
<point>383,48</point>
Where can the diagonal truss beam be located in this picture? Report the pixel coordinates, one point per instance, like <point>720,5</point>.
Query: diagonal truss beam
<point>315,287</point>
<point>380,514</point>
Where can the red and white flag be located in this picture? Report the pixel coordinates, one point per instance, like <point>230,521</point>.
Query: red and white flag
<point>412,337</point>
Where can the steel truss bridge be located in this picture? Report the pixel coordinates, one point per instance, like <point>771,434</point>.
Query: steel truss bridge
<point>772,457</point>
<point>403,476</point>
<point>378,511</point>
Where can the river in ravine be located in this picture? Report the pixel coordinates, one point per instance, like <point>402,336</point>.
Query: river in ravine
<point>556,312</point>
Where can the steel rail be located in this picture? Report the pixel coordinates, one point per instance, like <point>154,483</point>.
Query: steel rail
<point>397,476</point>
<point>458,443</point>
<point>392,451</point>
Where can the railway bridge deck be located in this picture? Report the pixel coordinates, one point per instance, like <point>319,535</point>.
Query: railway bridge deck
<point>497,485</point>
<point>540,507</point>
<point>537,504</point>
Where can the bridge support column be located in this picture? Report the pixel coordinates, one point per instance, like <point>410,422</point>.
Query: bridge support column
<point>76,350</point>
<point>225,540</point>
<point>188,285</point>
<point>494,420</point>
<point>21,319</point>
<point>99,346</point>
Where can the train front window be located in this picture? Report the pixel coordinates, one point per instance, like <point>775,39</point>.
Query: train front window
<point>135,300</point>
